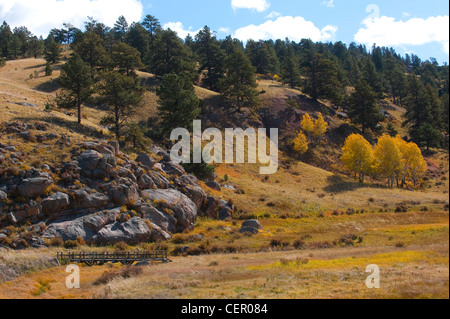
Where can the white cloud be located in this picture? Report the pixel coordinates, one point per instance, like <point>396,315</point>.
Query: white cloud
<point>258,5</point>
<point>273,15</point>
<point>386,31</point>
<point>41,16</point>
<point>328,3</point>
<point>224,30</point>
<point>295,28</point>
<point>180,29</point>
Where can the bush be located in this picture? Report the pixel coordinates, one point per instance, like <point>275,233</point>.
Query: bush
<point>201,170</point>
<point>299,244</point>
<point>70,244</point>
<point>48,70</point>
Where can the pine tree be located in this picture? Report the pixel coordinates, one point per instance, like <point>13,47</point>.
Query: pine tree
<point>358,156</point>
<point>52,50</point>
<point>290,71</point>
<point>171,56</point>
<point>238,86</point>
<point>419,115</point>
<point>76,83</point>
<point>152,25</point>
<point>121,28</point>
<point>178,105</point>
<point>210,56</point>
<point>91,50</point>
<point>120,95</point>
<point>363,107</point>
<point>126,58</point>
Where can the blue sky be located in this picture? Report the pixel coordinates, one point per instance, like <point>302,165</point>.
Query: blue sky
<point>420,27</point>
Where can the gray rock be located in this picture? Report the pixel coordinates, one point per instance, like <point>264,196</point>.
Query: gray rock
<point>158,234</point>
<point>162,219</point>
<point>214,185</point>
<point>134,231</point>
<point>88,160</point>
<point>172,168</point>
<point>99,220</point>
<point>123,195</point>
<point>250,230</point>
<point>34,187</point>
<point>3,196</point>
<point>185,209</point>
<point>195,193</point>
<point>252,223</point>
<point>94,200</point>
<point>55,202</point>
<point>146,182</point>
<point>145,160</point>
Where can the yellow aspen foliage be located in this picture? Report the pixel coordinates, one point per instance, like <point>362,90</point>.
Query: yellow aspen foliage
<point>307,124</point>
<point>320,127</point>
<point>388,158</point>
<point>414,162</point>
<point>301,143</point>
<point>403,147</point>
<point>358,156</point>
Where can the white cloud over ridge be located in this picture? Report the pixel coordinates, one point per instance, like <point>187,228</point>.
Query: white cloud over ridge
<point>179,28</point>
<point>294,28</point>
<point>41,16</point>
<point>386,31</point>
<point>258,5</point>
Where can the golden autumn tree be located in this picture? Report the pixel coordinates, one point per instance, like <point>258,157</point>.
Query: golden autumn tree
<point>388,158</point>
<point>414,162</point>
<point>358,156</point>
<point>320,127</point>
<point>301,143</point>
<point>307,124</point>
<point>403,147</point>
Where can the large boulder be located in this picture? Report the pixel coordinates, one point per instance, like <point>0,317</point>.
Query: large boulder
<point>95,200</point>
<point>123,194</point>
<point>88,160</point>
<point>162,219</point>
<point>35,186</point>
<point>55,202</point>
<point>145,160</point>
<point>133,231</point>
<point>185,209</point>
<point>3,196</point>
<point>254,223</point>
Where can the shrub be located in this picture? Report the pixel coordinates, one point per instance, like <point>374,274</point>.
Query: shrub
<point>201,170</point>
<point>299,244</point>
<point>48,70</point>
<point>70,244</point>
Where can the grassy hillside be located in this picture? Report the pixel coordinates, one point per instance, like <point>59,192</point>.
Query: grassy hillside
<point>312,205</point>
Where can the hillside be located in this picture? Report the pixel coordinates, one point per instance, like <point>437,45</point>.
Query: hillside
<point>311,201</point>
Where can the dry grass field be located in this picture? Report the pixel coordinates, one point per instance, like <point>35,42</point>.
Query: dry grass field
<point>320,229</point>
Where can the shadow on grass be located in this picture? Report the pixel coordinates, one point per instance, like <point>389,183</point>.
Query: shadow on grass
<point>49,86</point>
<point>67,124</point>
<point>340,184</point>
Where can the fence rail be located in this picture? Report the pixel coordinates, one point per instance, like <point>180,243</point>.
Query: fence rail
<point>126,258</point>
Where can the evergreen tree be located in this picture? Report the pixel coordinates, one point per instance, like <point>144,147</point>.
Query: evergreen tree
<point>290,71</point>
<point>121,28</point>
<point>363,107</point>
<point>126,58</point>
<point>171,56</point>
<point>238,86</point>
<point>419,114</point>
<point>90,49</point>
<point>262,56</point>
<point>152,25</point>
<point>210,57</point>
<point>322,78</point>
<point>138,37</point>
<point>52,50</point>
<point>372,77</point>
<point>120,96</point>
<point>5,40</point>
<point>76,83</point>
<point>178,105</point>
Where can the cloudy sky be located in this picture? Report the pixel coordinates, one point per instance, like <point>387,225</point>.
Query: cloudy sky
<point>410,26</point>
